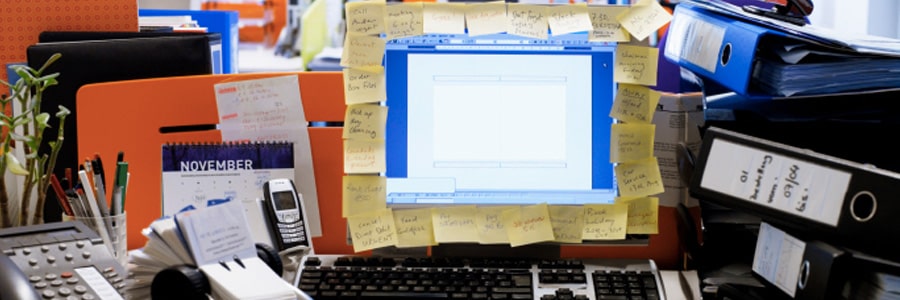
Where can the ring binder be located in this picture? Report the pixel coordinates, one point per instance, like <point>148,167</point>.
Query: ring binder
<point>815,195</point>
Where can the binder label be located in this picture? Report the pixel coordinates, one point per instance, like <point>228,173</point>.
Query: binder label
<point>776,181</point>
<point>699,44</point>
<point>778,257</point>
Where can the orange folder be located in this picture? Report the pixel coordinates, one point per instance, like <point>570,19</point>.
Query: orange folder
<point>128,115</point>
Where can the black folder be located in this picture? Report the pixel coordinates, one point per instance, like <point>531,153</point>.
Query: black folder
<point>820,196</point>
<point>824,271</point>
<point>103,60</point>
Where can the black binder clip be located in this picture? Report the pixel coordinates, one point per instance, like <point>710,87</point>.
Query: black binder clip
<point>791,11</point>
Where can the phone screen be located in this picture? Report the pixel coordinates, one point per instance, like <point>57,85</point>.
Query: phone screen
<point>284,200</point>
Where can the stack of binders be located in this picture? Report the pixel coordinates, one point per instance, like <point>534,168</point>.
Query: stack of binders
<point>829,229</point>
<point>794,141</point>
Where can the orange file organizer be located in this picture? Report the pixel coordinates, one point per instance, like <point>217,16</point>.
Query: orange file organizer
<point>128,115</point>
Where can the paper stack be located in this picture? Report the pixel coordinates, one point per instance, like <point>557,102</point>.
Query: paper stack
<point>806,69</point>
<point>164,248</point>
<point>218,240</point>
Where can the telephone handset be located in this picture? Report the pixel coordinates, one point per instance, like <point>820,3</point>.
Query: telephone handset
<point>58,260</point>
<point>285,214</point>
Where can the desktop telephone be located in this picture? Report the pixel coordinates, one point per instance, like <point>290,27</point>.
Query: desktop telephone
<point>56,261</point>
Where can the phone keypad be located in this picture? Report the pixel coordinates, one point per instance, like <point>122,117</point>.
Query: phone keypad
<point>292,232</point>
<point>53,280</point>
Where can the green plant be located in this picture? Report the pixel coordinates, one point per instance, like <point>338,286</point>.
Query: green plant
<point>23,127</point>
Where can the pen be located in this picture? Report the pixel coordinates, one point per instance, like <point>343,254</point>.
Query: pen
<point>99,181</point>
<point>121,185</point>
<point>95,211</point>
<point>60,194</point>
<point>69,178</point>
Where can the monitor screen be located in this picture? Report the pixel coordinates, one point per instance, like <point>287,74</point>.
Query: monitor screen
<point>499,120</point>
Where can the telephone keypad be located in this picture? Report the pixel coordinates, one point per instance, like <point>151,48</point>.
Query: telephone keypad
<point>65,263</point>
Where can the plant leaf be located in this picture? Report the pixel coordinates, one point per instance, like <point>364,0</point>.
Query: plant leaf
<point>13,164</point>
<point>63,111</point>
<point>42,119</point>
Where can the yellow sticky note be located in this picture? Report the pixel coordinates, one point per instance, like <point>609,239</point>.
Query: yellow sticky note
<point>362,51</point>
<point>374,229</point>
<point>403,20</point>
<point>635,103</point>
<point>364,85</point>
<point>644,18</point>
<point>490,226</point>
<point>643,216</point>
<point>568,222</point>
<point>605,26</point>
<point>485,18</point>
<point>631,142</point>
<point>363,156</point>
<point>639,178</point>
<point>445,18</point>
<point>454,224</point>
<point>528,225</point>
<point>565,19</point>
<point>636,64</point>
<point>362,193</point>
<point>414,227</point>
<point>527,20</point>
<point>365,122</point>
<point>365,17</point>
<point>605,221</point>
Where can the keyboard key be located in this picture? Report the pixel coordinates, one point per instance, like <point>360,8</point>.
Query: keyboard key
<point>339,277</point>
<point>397,295</point>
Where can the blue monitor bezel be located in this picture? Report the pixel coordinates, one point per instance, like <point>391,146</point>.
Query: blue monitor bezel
<point>602,94</point>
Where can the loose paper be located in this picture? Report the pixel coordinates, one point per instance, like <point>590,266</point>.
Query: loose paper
<point>454,224</point>
<point>363,193</point>
<point>527,20</point>
<point>568,222</point>
<point>644,18</point>
<point>643,216</point>
<point>635,103</point>
<point>631,142</point>
<point>636,65</point>
<point>486,18</point>
<point>374,229</point>
<point>414,227</point>
<point>639,178</point>
<point>605,26</point>
<point>605,221</point>
<point>447,18</point>
<point>363,156</point>
<point>565,19</point>
<point>365,17</point>
<point>404,20</point>
<point>490,227</point>
<point>362,51</point>
<point>365,122</point>
<point>528,225</point>
<point>364,85</point>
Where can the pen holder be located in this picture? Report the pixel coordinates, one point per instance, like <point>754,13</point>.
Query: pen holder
<point>116,231</point>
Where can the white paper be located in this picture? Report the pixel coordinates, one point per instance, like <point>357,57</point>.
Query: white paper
<point>217,233</point>
<point>778,258</point>
<point>270,109</point>
<point>776,181</point>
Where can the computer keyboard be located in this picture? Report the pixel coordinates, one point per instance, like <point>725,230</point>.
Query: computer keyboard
<point>356,277</point>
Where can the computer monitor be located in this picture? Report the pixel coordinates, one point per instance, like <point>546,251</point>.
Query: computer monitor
<point>498,120</point>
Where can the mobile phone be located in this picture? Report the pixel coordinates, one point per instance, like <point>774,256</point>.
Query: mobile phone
<point>285,214</point>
